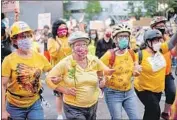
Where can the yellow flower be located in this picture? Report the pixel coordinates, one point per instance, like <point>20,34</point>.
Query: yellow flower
<point>73,63</point>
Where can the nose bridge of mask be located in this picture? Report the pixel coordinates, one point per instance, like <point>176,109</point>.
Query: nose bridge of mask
<point>123,39</point>
<point>156,46</point>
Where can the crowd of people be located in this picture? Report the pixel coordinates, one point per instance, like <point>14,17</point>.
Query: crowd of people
<point>79,66</point>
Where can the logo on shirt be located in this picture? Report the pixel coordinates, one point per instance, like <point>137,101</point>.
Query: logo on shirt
<point>28,77</point>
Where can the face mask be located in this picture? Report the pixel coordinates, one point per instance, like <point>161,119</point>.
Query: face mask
<point>24,44</point>
<point>162,30</point>
<point>123,43</point>
<point>157,46</point>
<point>81,52</point>
<point>62,32</point>
<point>108,35</point>
<point>93,36</point>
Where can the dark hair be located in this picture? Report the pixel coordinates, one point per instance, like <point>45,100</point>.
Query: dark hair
<point>2,16</point>
<point>46,26</point>
<point>3,29</point>
<point>96,39</point>
<point>55,26</point>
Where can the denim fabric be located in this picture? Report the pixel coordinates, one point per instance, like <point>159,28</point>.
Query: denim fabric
<point>33,112</point>
<point>117,99</point>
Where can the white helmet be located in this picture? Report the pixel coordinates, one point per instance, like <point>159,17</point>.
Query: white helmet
<point>77,36</point>
<point>120,28</point>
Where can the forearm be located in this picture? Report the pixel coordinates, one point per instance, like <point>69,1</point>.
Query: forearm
<point>173,41</point>
<point>3,98</point>
<point>61,89</point>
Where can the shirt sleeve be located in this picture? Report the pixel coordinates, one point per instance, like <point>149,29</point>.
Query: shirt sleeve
<point>100,65</point>
<point>105,58</point>
<point>6,67</point>
<point>47,65</point>
<point>59,69</point>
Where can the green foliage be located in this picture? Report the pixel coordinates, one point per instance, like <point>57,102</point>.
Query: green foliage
<point>151,6</point>
<point>172,4</point>
<point>93,8</point>
<point>137,13</point>
<point>66,14</point>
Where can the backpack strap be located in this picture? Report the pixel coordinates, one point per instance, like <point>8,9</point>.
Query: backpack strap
<point>140,56</point>
<point>112,58</point>
<point>132,53</point>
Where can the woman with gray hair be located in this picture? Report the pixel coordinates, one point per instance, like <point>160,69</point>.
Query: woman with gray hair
<point>76,77</point>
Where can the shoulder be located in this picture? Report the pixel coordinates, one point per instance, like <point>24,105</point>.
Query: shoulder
<point>51,39</point>
<point>11,57</point>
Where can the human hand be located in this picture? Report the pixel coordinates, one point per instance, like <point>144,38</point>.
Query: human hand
<point>137,70</point>
<point>5,115</point>
<point>102,83</point>
<point>70,91</point>
<point>109,72</point>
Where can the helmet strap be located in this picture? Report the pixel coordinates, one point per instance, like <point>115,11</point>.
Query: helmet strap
<point>150,46</point>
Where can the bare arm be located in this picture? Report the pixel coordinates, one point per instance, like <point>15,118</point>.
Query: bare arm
<point>5,114</point>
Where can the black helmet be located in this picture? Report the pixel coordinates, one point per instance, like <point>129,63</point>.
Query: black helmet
<point>151,34</point>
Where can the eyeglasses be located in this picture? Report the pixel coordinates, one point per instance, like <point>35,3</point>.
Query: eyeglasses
<point>81,45</point>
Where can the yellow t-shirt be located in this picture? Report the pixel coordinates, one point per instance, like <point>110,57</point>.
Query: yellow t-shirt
<point>92,48</point>
<point>120,79</point>
<point>148,79</point>
<point>24,74</point>
<point>57,53</point>
<point>84,80</point>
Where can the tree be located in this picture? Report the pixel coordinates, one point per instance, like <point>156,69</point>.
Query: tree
<point>93,8</point>
<point>66,13</point>
<point>151,6</point>
<point>172,4</point>
<point>137,13</point>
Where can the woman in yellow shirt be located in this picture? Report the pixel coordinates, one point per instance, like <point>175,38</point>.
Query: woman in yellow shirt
<point>93,35</point>
<point>21,72</point>
<point>151,80</point>
<point>159,23</point>
<point>79,81</point>
<point>58,48</point>
<point>119,91</point>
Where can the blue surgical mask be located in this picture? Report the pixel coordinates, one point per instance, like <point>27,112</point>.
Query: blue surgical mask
<point>24,44</point>
<point>123,43</point>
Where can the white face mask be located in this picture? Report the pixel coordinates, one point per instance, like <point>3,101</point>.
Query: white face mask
<point>24,44</point>
<point>156,46</point>
<point>93,36</point>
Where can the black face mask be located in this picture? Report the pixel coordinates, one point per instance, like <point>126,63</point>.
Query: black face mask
<point>162,30</point>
